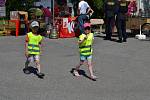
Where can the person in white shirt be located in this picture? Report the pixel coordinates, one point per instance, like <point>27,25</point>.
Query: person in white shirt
<point>84,10</point>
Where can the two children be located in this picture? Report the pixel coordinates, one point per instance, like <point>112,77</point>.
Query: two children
<point>33,48</point>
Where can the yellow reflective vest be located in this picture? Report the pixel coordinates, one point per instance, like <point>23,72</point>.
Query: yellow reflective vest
<point>85,47</point>
<point>33,43</point>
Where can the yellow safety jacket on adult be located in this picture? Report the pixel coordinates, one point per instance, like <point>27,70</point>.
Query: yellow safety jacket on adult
<point>85,47</point>
<point>33,44</point>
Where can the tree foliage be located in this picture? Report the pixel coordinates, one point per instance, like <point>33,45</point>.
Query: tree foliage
<point>97,6</point>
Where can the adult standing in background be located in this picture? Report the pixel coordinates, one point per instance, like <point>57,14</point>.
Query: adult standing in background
<point>110,9</point>
<point>121,20</point>
<point>47,14</point>
<point>83,11</point>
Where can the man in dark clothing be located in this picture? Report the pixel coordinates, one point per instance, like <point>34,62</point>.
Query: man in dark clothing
<point>121,20</point>
<point>110,8</point>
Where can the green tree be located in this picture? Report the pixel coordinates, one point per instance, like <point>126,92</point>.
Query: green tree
<point>97,6</point>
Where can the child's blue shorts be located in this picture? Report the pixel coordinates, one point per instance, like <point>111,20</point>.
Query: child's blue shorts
<point>83,58</point>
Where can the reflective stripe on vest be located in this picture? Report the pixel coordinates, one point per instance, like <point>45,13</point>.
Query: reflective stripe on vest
<point>32,50</point>
<point>33,45</point>
<point>111,3</point>
<point>86,47</point>
<point>86,51</point>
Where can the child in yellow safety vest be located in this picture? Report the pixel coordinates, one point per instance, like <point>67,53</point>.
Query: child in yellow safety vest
<point>33,46</point>
<point>85,48</point>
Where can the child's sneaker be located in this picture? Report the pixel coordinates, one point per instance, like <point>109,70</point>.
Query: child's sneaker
<point>75,72</point>
<point>40,75</point>
<point>26,71</point>
<point>26,66</point>
<point>93,77</point>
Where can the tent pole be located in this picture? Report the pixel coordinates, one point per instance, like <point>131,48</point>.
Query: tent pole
<point>53,13</point>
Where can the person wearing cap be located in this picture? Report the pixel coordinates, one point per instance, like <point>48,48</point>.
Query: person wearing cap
<point>33,46</point>
<point>85,49</point>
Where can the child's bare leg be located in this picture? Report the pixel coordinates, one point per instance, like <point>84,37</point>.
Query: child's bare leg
<point>90,67</point>
<point>76,73</point>
<point>78,66</point>
<point>27,63</point>
<point>40,75</point>
<point>37,62</point>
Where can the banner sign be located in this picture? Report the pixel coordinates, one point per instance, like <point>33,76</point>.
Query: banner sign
<point>67,27</point>
<point>69,24</point>
<point>65,22</point>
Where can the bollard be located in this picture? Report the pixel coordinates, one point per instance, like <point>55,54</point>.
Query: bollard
<point>54,33</point>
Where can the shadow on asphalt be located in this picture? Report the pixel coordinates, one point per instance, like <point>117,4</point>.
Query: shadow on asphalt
<point>112,39</point>
<point>102,35</point>
<point>83,73</point>
<point>32,70</point>
<point>148,39</point>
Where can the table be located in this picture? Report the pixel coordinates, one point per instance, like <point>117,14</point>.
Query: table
<point>99,22</point>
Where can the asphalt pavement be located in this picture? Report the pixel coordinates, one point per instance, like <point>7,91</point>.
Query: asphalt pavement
<point>123,71</point>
